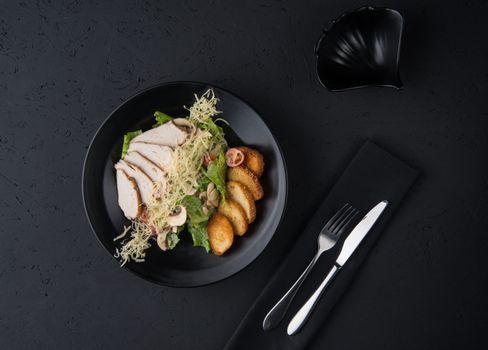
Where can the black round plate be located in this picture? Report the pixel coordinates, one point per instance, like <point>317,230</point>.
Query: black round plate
<point>185,266</point>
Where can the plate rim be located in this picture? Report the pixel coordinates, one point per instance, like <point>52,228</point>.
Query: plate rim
<point>105,121</point>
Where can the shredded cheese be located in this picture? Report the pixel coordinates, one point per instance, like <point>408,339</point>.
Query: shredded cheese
<point>122,235</point>
<point>204,107</point>
<point>135,248</point>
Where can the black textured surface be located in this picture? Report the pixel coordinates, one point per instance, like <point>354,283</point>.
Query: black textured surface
<point>65,65</point>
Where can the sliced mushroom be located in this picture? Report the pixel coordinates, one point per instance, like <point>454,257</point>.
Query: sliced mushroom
<point>161,239</point>
<point>185,125</point>
<point>205,209</point>
<point>203,196</point>
<point>190,189</point>
<point>178,217</point>
<point>214,203</point>
<point>212,195</point>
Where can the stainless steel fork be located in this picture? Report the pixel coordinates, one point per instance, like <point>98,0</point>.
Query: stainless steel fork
<point>328,237</point>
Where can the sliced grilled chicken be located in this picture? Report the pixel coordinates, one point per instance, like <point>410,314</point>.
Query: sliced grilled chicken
<point>144,182</point>
<point>150,168</point>
<point>167,134</point>
<point>129,197</point>
<point>160,155</point>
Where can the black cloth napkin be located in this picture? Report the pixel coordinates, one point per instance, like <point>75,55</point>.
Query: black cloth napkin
<point>372,176</point>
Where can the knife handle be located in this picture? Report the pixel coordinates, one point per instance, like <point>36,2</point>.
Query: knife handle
<point>276,314</point>
<point>303,314</point>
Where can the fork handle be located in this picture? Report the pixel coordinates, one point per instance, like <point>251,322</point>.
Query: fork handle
<point>303,314</point>
<point>276,314</point>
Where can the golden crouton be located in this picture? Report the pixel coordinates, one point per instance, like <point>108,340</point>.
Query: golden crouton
<point>253,160</point>
<point>241,195</point>
<point>237,216</point>
<point>246,177</point>
<point>220,233</point>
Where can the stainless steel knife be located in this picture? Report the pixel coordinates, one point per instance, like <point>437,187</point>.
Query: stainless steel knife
<point>350,244</point>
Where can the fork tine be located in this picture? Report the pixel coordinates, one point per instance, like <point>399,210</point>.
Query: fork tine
<point>344,214</point>
<point>342,226</point>
<point>336,215</point>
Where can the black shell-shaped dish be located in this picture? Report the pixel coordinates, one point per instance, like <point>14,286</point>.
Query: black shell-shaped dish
<point>361,48</point>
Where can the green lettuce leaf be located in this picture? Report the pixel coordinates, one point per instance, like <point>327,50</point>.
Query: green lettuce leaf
<point>199,235</point>
<point>161,118</point>
<point>203,182</point>
<point>216,131</point>
<point>216,171</point>
<point>197,221</point>
<point>172,240</point>
<point>127,137</point>
<point>194,209</point>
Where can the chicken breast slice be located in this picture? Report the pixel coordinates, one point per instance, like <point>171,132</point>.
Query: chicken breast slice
<point>128,195</point>
<point>150,168</point>
<point>144,182</point>
<point>167,134</point>
<point>160,155</point>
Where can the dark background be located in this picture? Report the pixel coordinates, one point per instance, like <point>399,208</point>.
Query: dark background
<point>64,65</point>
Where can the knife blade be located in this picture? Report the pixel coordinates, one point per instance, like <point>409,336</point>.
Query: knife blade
<point>352,241</point>
<point>359,232</point>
